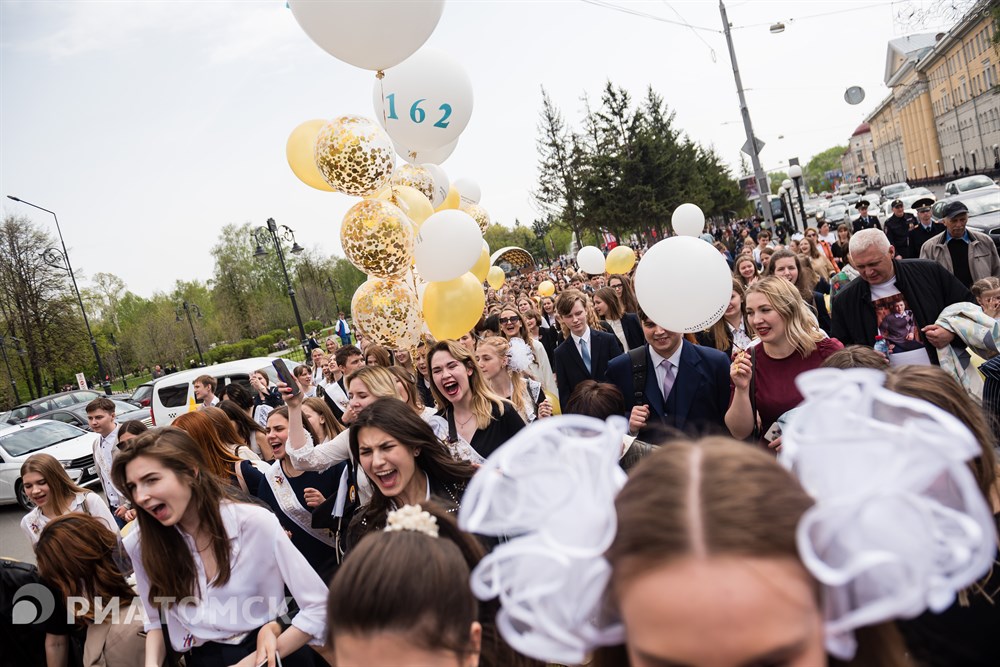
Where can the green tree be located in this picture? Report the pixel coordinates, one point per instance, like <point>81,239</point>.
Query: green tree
<point>560,184</point>
<point>815,170</point>
<point>776,178</point>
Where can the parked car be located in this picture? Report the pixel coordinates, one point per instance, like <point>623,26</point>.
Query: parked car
<point>836,213</point>
<point>984,211</point>
<point>890,191</point>
<point>5,417</point>
<point>142,395</point>
<point>174,394</point>
<point>31,409</point>
<point>968,183</point>
<point>72,447</point>
<point>77,414</point>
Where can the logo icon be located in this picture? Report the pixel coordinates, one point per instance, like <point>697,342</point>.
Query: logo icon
<point>33,603</point>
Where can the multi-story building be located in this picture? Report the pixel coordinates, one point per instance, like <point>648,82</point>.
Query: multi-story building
<point>858,161</point>
<point>962,74</point>
<point>943,114</point>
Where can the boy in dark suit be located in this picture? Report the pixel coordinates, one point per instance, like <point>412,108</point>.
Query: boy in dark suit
<point>686,387</point>
<point>586,352</point>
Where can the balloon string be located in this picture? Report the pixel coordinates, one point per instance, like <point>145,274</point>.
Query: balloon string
<point>380,75</point>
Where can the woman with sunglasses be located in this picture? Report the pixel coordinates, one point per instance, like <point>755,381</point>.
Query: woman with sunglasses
<point>512,325</point>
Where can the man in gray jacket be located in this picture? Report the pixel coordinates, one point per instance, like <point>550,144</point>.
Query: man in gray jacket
<point>969,255</point>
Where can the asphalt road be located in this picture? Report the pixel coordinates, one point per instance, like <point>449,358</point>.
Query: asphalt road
<point>13,542</point>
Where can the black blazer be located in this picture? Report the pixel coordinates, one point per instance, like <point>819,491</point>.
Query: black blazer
<point>570,370</point>
<point>699,397</point>
<point>632,329</point>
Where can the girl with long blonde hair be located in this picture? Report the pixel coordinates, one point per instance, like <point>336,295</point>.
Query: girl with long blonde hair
<point>502,363</point>
<point>45,482</point>
<point>789,345</point>
<point>478,418</point>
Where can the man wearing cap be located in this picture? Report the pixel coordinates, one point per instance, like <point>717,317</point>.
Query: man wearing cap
<point>865,221</point>
<point>926,227</point>
<point>897,229</point>
<point>967,254</point>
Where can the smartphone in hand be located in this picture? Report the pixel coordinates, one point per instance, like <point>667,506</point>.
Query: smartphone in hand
<point>286,376</point>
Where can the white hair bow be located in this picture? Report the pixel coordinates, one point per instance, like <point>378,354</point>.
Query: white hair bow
<point>900,524</point>
<point>551,488</point>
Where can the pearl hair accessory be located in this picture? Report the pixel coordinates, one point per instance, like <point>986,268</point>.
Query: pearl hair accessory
<point>412,518</point>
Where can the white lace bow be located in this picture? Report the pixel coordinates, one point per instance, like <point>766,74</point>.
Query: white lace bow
<point>899,525</point>
<point>551,489</point>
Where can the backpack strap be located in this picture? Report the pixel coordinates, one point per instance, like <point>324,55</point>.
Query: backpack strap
<point>637,357</point>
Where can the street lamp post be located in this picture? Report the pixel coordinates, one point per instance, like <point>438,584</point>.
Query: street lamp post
<point>121,367</point>
<point>973,154</point>
<point>787,185</point>
<point>758,171</point>
<point>52,257</point>
<point>187,308</point>
<point>333,288</point>
<point>260,237</point>
<point>795,171</point>
<point>6,361</point>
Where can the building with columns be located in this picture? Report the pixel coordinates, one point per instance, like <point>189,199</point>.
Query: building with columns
<point>943,114</point>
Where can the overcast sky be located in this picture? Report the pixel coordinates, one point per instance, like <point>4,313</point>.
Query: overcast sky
<point>149,125</point>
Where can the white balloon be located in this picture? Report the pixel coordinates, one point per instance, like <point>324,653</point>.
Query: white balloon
<point>436,156</point>
<point>448,244</point>
<point>688,220</point>
<point>369,35</point>
<point>442,185</point>
<point>468,191</point>
<point>590,259</point>
<point>425,102</point>
<point>683,284</point>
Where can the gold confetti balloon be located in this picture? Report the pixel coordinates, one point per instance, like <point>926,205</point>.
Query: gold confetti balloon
<point>416,177</point>
<point>388,311</point>
<point>480,215</point>
<point>377,237</point>
<point>354,155</point>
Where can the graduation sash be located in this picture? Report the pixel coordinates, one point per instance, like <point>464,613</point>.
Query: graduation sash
<point>292,508</point>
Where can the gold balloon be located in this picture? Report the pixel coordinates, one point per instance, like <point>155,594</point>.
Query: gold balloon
<point>377,238</point>
<point>388,312</point>
<point>354,155</point>
<point>453,200</point>
<point>480,215</point>
<point>299,152</point>
<point>495,277</point>
<point>411,201</point>
<point>414,176</point>
<point>621,259</point>
<point>482,266</point>
<point>453,307</point>
<point>546,288</point>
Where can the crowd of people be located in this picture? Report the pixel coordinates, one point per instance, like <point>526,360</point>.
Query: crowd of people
<point>320,522</point>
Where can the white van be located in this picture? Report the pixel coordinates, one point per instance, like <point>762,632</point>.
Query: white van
<point>172,394</point>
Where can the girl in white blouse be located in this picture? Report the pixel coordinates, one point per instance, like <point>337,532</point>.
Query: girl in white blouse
<point>212,569</point>
<point>46,484</point>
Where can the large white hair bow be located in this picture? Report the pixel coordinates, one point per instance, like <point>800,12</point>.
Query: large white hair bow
<point>899,524</point>
<point>551,489</point>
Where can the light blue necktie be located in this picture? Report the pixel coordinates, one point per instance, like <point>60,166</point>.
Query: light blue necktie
<point>585,353</point>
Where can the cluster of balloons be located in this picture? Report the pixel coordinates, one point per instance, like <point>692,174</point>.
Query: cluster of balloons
<point>417,235</point>
<point>591,260</point>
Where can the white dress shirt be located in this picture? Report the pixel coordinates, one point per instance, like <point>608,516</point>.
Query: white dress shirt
<point>83,503</point>
<point>105,447</point>
<point>661,372</point>
<point>263,562</point>
<point>590,348</point>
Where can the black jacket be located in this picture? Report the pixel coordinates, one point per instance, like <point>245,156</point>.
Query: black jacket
<point>871,223</point>
<point>897,229</point>
<point>928,287</point>
<point>570,370</point>
<point>919,236</point>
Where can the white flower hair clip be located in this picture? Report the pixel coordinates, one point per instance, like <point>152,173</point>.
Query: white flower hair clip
<point>900,524</point>
<point>519,356</point>
<point>412,518</point>
<point>551,488</point>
